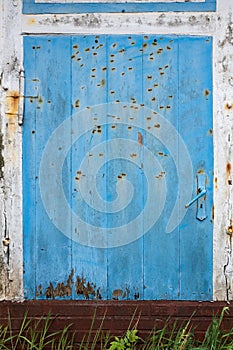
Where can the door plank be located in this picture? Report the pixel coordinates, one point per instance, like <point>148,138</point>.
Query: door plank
<point>195,125</point>
<point>53,90</point>
<point>125,262</point>
<point>88,89</point>
<point>161,249</point>
<point>29,169</point>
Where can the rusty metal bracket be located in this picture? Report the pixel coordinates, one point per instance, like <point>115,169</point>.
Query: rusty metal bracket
<point>21,99</point>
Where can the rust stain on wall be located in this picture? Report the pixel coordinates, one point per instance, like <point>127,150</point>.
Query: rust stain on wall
<point>228,169</point>
<point>228,173</point>
<point>216,183</point>
<point>230,228</point>
<point>12,109</point>
<point>12,103</point>
<point>31,21</point>
<point>213,212</point>
<point>228,106</point>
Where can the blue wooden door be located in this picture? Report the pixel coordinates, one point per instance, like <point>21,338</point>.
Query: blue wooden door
<point>117,141</point>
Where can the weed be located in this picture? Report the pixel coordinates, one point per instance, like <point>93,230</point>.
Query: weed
<point>127,342</point>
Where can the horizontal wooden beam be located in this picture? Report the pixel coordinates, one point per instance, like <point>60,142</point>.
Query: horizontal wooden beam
<point>117,316</point>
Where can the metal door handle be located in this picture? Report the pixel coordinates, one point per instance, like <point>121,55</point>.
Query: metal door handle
<point>201,193</point>
<point>200,197</point>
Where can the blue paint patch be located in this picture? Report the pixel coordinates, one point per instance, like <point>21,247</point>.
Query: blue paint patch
<point>31,7</point>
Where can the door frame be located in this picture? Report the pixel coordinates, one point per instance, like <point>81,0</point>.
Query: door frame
<point>217,24</point>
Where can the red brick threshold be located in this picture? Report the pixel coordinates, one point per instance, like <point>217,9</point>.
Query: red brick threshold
<point>115,316</point>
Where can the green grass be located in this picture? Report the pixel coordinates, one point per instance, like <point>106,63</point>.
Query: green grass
<point>37,334</point>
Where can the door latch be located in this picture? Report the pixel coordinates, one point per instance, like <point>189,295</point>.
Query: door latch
<point>200,198</point>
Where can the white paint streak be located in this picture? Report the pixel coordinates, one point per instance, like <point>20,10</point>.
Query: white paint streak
<point>223,144</point>
<point>111,23</point>
<point>219,25</point>
<point>11,282</point>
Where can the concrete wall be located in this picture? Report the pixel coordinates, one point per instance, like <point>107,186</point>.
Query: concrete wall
<point>14,25</point>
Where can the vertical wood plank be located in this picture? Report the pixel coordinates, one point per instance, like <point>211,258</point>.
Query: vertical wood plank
<point>53,91</point>
<point>29,169</point>
<point>195,124</point>
<point>125,262</point>
<point>88,90</point>
<point>53,248</point>
<point>160,81</point>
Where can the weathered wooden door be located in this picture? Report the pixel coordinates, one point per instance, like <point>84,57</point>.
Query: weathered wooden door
<point>117,140</point>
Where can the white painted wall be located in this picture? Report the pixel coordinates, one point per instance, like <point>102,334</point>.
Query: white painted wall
<point>13,24</point>
<point>11,270</point>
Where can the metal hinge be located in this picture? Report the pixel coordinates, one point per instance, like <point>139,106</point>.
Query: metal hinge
<point>21,97</point>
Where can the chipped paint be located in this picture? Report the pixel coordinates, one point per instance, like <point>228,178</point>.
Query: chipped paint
<point>121,294</point>
<point>61,290</point>
<point>11,266</point>
<point>140,139</point>
<point>117,293</point>
<point>66,289</point>
<point>86,289</point>
<point>219,25</point>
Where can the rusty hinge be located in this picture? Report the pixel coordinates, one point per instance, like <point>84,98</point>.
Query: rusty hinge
<point>21,99</point>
